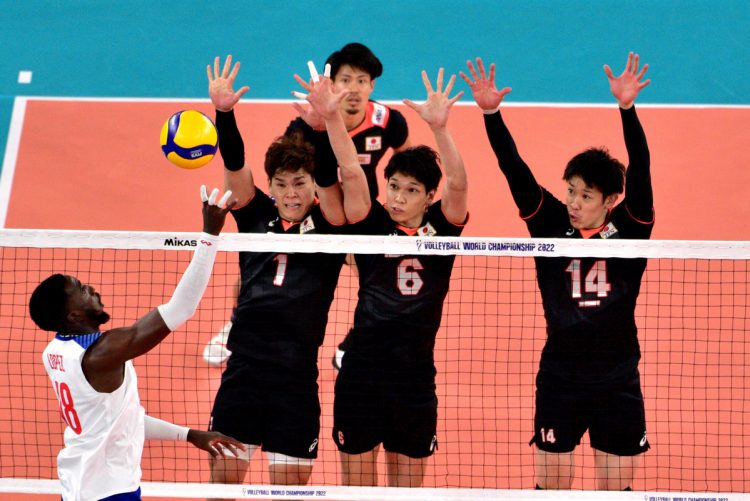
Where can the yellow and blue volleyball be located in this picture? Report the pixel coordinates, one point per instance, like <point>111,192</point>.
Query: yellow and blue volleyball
<point>189,139</point>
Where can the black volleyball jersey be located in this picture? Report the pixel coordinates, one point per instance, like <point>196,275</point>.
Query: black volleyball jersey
<point>282,308</point>
<point>400,297</point>
<point>382,128</point>
<point>589,303</point>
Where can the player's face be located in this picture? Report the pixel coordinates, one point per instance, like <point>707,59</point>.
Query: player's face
<point>587,206</point>
<point>358,83</point>
<point>294,192</point>
<point>86,301</point>
<point>407,200</point>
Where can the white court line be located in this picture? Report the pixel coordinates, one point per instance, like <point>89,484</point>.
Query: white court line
<point>508,104</point>
<point>11,155</point>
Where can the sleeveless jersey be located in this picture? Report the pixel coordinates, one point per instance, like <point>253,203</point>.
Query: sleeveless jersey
<point>105,431</point>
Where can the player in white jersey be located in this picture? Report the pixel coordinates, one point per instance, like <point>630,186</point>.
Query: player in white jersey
<point>95,381</point>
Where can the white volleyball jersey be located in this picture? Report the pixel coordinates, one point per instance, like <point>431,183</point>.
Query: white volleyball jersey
<point>105,431</point>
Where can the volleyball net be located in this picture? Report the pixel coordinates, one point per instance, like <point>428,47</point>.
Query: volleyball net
<point>692,317</point>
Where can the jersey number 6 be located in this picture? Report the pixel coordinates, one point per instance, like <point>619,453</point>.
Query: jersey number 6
<point>409,281</point>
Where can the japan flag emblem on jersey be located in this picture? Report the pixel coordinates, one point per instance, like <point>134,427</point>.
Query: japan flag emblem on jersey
<point>373,143</point>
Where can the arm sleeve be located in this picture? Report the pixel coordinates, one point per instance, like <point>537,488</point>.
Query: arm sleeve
<point>189,291</point>
<point>639,196</point>
<point>326,166</point>
<point>156,429</point>
<point>527,194</point>
<point>231,146</point>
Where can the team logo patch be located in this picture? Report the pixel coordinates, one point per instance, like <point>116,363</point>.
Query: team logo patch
<point>644,439</point>
<point>373,143</point>
<point>608,231</point>
<point>313,446</point>
<point>379,113</point>
<point>426,231</point>
<point>340,437</point>
<point>307,225</point>
<point>364,158</point>
<point>433,444</point>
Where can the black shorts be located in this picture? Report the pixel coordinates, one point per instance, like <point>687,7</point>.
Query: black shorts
<point>262,404</point>
<point>614,417</point>
<point>400,413</point>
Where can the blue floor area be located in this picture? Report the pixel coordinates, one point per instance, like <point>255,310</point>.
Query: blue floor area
<point>547,50</point>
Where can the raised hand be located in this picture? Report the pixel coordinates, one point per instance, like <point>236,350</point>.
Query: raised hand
<point>436,108</point>
<point>483,88</point>
<point>626,87</point>
<point>215,213</point>
<point>221,84</point>
<point>324,100</point>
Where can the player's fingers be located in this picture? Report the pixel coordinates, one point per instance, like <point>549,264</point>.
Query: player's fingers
<point>217,63</point>
<point>449,87</point>
<point>455,98</point>
<point>439,82</point>
<point>426,81</point>
<point>608,71</point>
<point>299,95</point>
<point>465,78</point>
<point>204,194</point>
<point>223,200</point>
<point>241,92</point>
<point>492,72</point>
<point>473,72</point>
<point>480,65</point>
<point>313,72</point>
<point>227,64</point>
<point>411,104</point>
<point>208,72</point>
<point>303,83</point>
<point>212,196</point>
<point>327,70</point>
<point>235,69</point>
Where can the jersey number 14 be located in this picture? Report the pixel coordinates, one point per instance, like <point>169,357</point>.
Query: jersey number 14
<point>595,282</point>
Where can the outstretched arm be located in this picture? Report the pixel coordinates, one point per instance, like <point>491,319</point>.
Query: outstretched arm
<point>103,361</point>
<point>212,442</point>
<point>525,190</point>
<point>237,176</point>
<point>326,101</point>
<point>435,111</point>
<point>639,198</point>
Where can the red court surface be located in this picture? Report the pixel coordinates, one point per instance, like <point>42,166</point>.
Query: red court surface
<point>97,165</point>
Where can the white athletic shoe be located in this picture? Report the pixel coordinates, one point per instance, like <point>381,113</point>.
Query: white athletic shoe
<point>216,353</point>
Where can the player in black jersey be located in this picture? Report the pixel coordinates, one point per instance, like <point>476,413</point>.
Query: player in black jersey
<point>373,127</point>
<point>385,391</point>
<point>269,393</point>
<point>588,374</point>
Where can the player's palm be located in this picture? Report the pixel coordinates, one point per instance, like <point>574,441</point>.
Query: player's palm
<point>435,110</point>
<point>222,94</point>
<point>626,87</point>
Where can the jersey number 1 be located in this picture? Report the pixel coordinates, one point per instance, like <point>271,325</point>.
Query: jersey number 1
<point>278,279</point>
<point>594,283</point>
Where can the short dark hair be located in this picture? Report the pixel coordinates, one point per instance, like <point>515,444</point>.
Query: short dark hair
<point>289,153</point>
<point>598,169</point>
<point>419,162</point>
<point>358,56</point>
<point>48,305</point>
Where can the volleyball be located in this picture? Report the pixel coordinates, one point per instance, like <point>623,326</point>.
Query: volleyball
<point>189,139</point>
